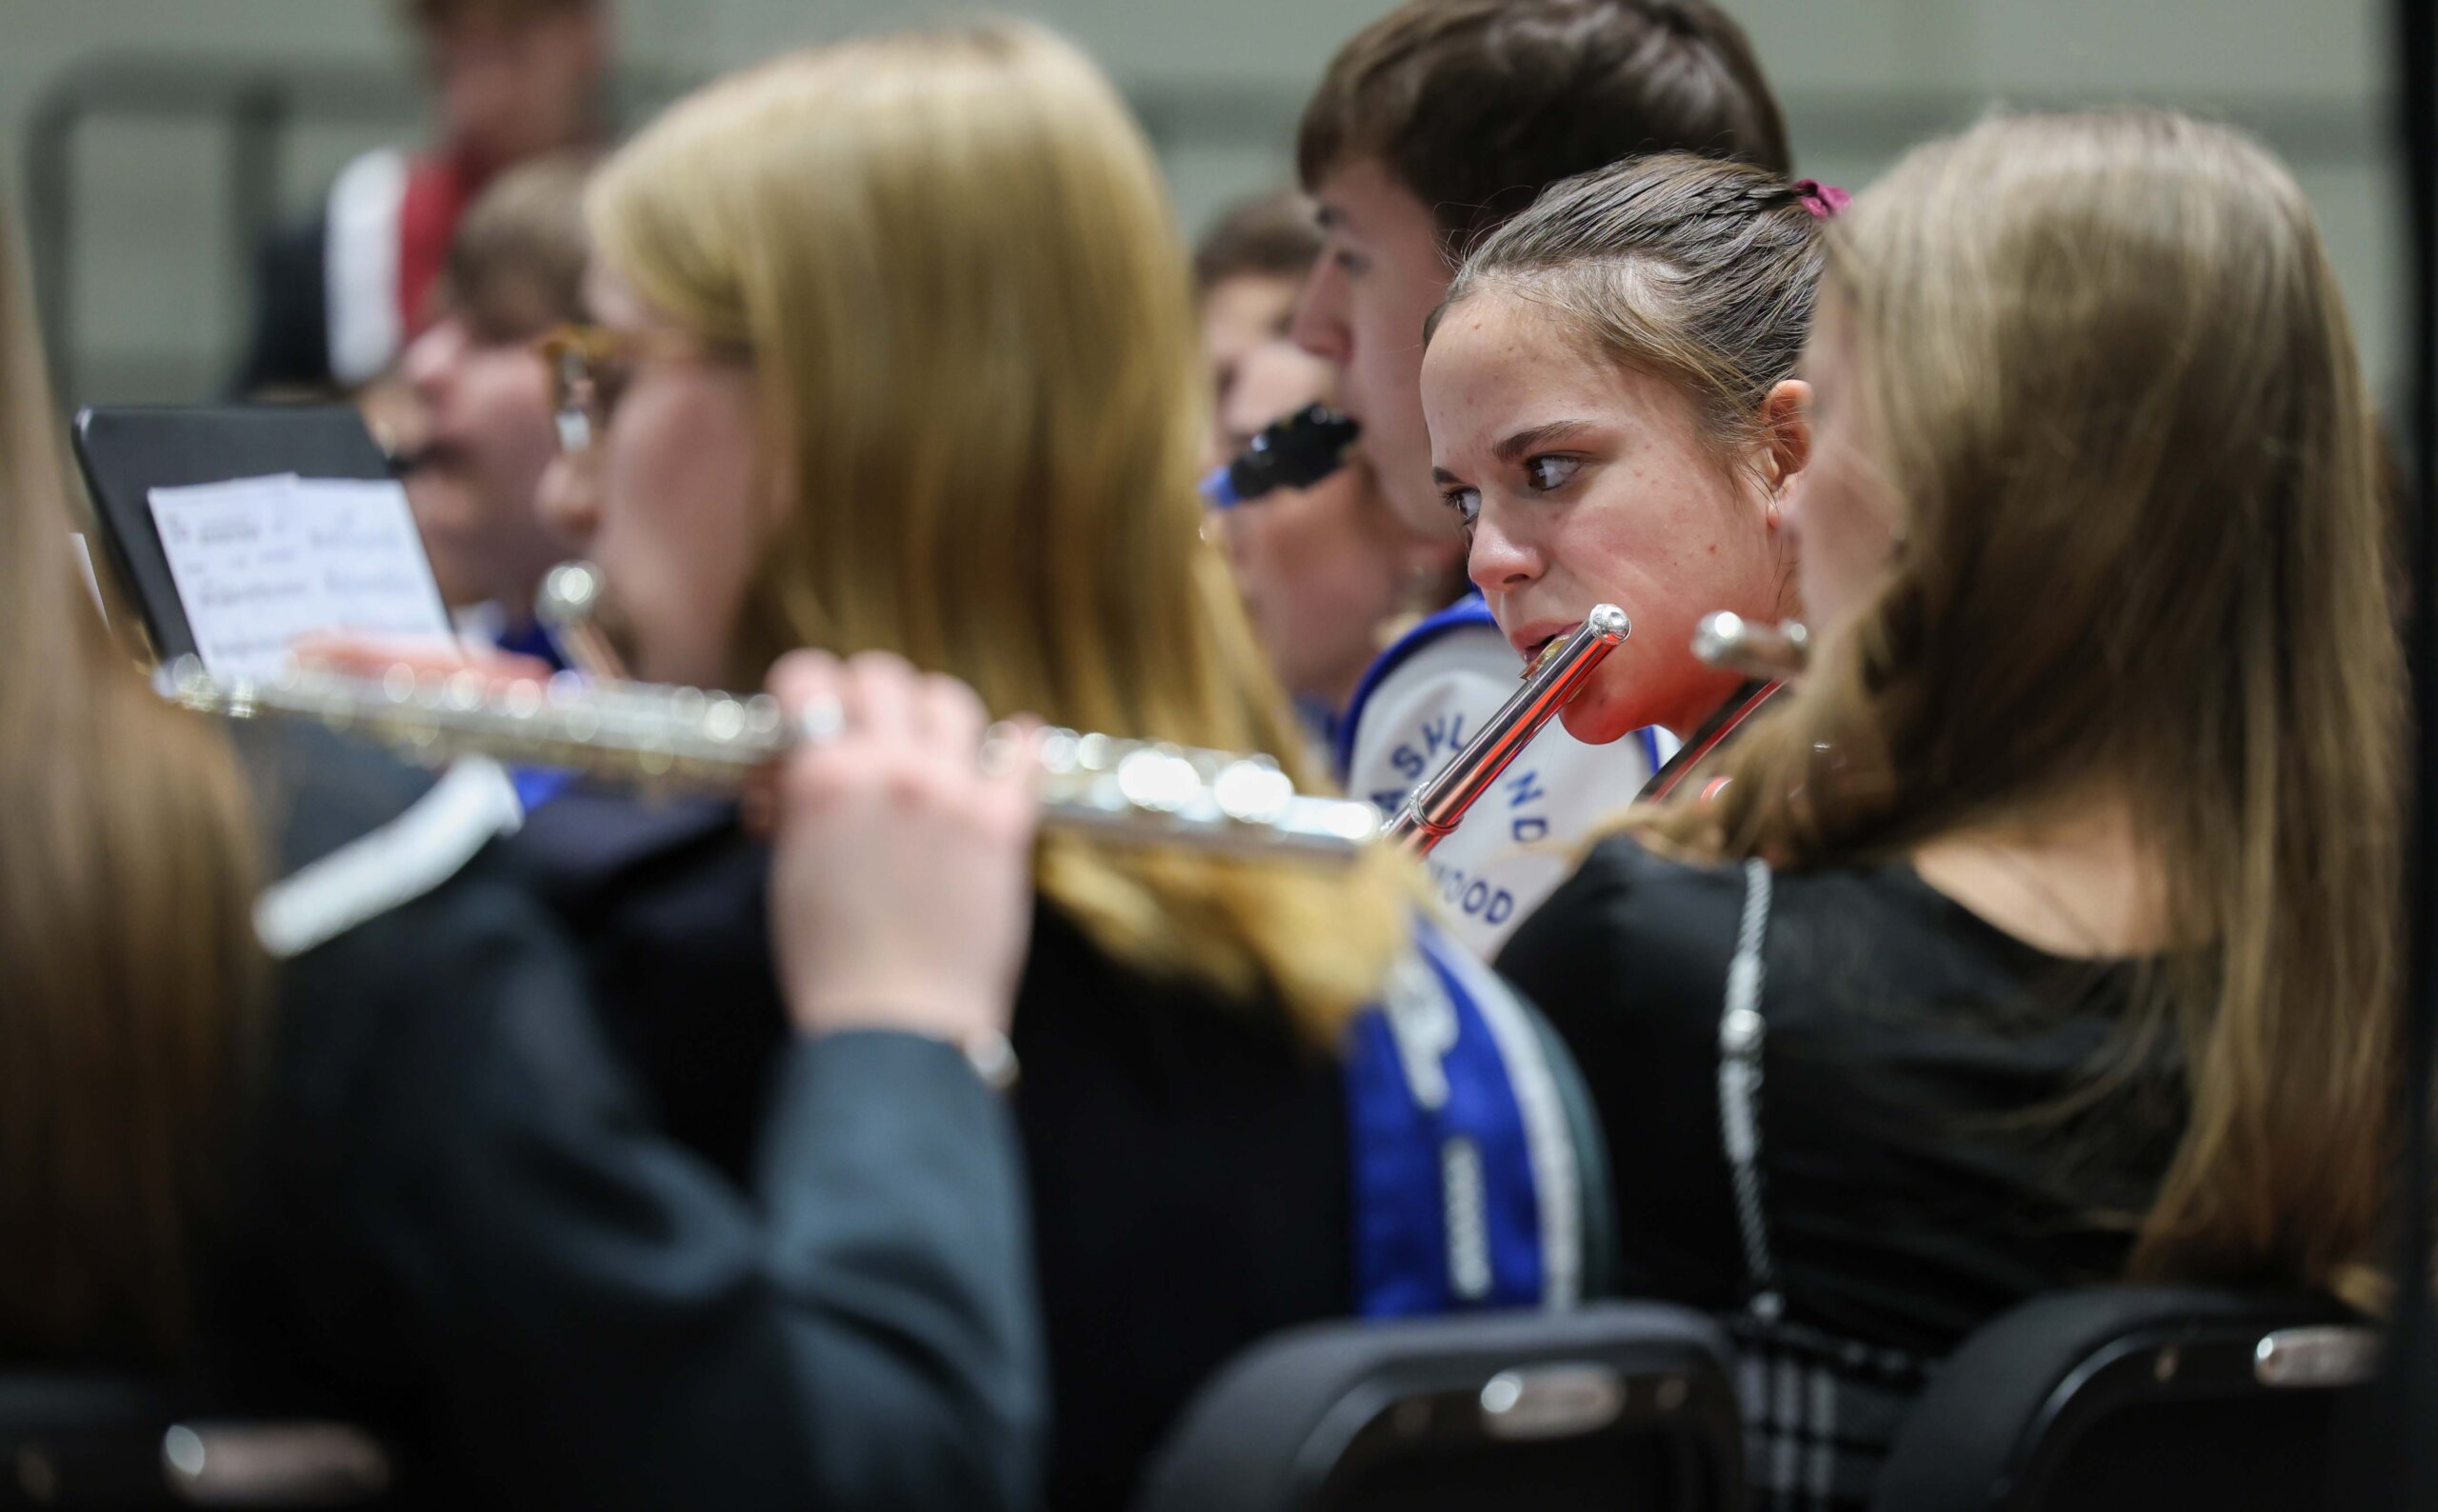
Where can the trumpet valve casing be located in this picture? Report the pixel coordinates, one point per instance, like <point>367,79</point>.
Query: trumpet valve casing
<point>1730,641</point>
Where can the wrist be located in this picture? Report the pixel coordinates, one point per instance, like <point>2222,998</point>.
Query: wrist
<point>986,1051</point>
<point>972,1028</point>
<point>992,1058</point>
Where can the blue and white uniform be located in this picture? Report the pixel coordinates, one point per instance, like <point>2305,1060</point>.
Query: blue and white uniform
<point>1419,704</point>
<point>1476,1160</point>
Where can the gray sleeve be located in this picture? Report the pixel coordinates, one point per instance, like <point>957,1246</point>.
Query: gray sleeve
<point>588,1315</point>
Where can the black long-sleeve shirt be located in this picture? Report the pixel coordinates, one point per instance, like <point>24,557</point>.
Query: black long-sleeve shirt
<point>467,1228</point>
<point>1186,1154</point>
<point>1915,1176</point>
<point>1914,1170</point>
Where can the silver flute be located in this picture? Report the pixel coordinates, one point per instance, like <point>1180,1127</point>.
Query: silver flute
<point>1776,652</point>
<point>663,739</point>
<point>1438,805</point>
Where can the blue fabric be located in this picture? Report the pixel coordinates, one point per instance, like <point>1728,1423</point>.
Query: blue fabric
<point>535,785</point>
<point>534,641</point>
<point>1469,609</point>
<point>1405,1261</point>
<point>1219,490</point>
<point>1649,735</point>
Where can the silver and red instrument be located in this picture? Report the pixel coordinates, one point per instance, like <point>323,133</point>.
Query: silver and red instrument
<point>1437,806</point>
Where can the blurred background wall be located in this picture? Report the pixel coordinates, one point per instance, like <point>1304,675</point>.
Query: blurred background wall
<point>144,137</point>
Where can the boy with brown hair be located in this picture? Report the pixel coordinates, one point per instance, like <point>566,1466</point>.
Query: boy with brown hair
<point>1432,126</point>
<point>488,406</point>
<point>1247,269</point>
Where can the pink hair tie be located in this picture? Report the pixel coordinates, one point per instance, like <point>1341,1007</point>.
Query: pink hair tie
<point>1821,200</point>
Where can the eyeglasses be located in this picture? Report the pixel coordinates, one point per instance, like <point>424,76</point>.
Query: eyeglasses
<point>592,365</point>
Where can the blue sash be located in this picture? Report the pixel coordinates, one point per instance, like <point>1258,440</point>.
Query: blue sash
<point>1465,1180</point>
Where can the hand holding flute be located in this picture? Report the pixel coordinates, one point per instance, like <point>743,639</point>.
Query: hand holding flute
<point>892,807</point>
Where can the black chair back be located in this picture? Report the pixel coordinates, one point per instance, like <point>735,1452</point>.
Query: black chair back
<point>1622,1408</point>
<point>125,1444</point>
<point>2135,1398</point>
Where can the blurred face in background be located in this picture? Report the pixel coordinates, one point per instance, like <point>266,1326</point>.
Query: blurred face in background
<point>515,81</point>
<point>1239,314</point>
<point>1321,568</point>
<point>490,434</point>
<point>1845,518</point>
<point>1380,275</point>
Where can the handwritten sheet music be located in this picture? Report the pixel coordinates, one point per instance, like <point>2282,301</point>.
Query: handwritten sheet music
<point>259,561</point>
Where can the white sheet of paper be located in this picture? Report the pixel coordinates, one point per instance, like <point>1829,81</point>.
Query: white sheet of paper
<point>259,561</point>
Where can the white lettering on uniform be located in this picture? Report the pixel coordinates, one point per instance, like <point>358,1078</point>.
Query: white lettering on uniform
<point>1421,754</point>
<point>1524,791</point>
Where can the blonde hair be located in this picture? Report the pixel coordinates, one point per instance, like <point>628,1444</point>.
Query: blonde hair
<point>2117,405</point>
<point>125,891</point>
<point>953,259</point>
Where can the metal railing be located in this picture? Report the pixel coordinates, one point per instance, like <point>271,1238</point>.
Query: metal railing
<point>258,108</point>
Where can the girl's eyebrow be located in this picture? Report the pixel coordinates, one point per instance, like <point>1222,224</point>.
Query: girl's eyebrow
<point>1520,445</point>
<point>1517,447</point>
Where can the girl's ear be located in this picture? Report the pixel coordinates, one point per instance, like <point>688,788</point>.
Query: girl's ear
<point>1785,434</point>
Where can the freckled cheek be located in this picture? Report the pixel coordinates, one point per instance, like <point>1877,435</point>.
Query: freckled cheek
<point>1610,552</point>
<point>1640,679</point>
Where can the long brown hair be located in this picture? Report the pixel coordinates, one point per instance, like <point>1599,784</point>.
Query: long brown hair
<point>956,263</point>
<point>2117,405</point>
<point>126,886</point>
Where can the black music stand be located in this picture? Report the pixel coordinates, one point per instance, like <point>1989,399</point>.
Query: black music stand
<point>127,451</point>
